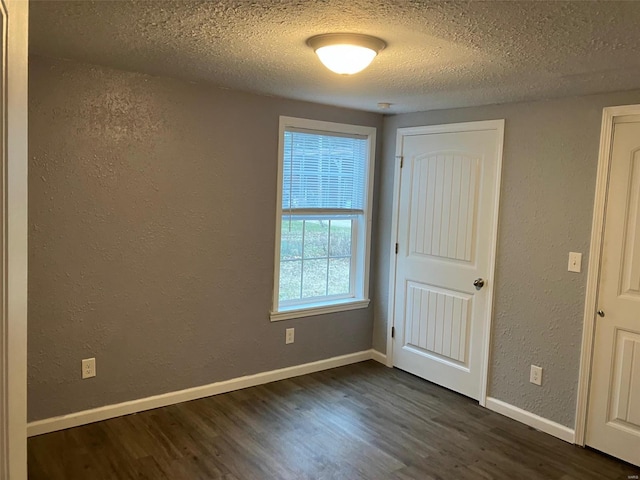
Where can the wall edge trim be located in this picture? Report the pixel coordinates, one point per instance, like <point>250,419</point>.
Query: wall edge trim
<point>106,412</point>
<point>531,419</point>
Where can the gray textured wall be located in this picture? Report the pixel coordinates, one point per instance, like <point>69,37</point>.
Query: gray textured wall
<point>152,234</point>
<point>546,205</point>
<point>151,242</point>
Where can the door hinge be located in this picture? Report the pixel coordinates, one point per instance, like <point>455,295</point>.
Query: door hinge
<point>401,162</point>
<point>393,332</point>
<point>396,248</point>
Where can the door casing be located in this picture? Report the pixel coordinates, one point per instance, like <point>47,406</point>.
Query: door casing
<point>498,126</point>
<point>13,241</point>
<point>609,115</point>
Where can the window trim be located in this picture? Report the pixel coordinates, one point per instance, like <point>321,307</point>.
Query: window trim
<point>363,238</point>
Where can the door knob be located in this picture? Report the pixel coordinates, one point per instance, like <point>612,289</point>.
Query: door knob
<point>601,313</point>
<point>478,283</point>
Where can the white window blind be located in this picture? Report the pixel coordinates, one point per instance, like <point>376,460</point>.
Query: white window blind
<point>324,171</point>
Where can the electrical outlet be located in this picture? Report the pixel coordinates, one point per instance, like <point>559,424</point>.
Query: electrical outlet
<point>88,368</point>
<point>536,375</point>
<point>289,336</point>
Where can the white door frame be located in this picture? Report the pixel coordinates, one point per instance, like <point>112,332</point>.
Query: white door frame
<point>609,115</point>
<point>498,126</point>
<point>13,241</point>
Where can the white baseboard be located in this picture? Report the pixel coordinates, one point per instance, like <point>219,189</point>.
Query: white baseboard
<point>379,357</point>
<point>134,406</point>
<point>539,423</point>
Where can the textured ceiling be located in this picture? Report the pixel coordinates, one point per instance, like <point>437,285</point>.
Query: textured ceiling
<point>439,54</point>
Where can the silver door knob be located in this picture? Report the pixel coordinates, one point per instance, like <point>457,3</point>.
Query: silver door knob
<point>601,313</point>
<point>478,283</point>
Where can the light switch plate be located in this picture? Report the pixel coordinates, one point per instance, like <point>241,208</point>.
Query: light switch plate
<point>575,262</point>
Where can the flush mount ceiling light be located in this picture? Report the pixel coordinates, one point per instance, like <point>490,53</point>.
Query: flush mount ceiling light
<point>346,53</point>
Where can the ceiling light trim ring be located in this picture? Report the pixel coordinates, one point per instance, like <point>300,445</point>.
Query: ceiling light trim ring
<point>374,43</point>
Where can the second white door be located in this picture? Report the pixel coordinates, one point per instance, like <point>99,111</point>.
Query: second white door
<point>447,222</point>
<point>613,424</point>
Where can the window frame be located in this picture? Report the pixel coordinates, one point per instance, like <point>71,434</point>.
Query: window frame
<point>362,225</point>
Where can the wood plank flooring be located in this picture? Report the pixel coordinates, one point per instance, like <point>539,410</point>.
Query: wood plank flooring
<point>363,421</point>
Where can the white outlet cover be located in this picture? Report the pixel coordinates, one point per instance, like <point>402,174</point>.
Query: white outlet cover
<point>289,335</point>
<point>88,368</point>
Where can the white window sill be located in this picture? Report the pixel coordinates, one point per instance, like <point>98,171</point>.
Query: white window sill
<point>308,311</point>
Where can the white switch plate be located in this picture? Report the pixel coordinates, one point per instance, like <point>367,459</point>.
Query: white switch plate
<point>289,335</point>
<point>536,375</point>
<point>575,262</point>
<point>88,368</point>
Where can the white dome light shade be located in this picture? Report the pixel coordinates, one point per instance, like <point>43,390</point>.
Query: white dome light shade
<point>346,59</point>
<point>346,53</point>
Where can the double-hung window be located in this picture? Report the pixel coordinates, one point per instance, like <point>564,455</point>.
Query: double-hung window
<point>325,180</point>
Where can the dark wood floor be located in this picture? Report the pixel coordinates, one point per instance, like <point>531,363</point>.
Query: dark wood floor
<point>363,421</point>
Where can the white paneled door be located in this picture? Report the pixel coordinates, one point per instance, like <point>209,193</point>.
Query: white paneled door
<point>613,424</point>
<point>446,240</point>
